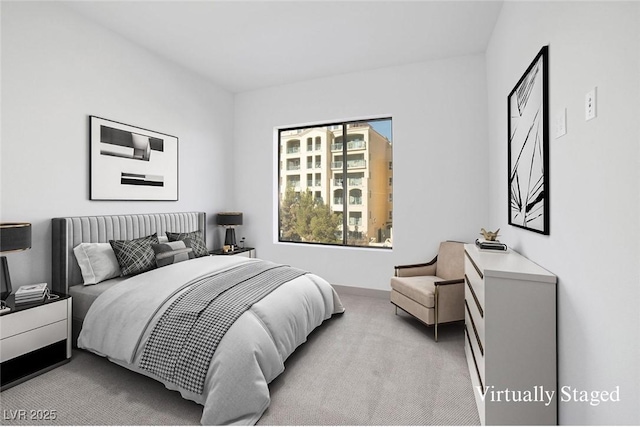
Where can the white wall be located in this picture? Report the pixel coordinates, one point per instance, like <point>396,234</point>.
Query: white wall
<point>594,188</point>
<point>440,180</point>
<point>59,68</point>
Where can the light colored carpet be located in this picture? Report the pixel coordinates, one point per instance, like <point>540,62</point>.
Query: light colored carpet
<point>366,367</point>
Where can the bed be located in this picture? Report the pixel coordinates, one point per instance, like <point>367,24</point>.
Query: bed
<point>217,329</point>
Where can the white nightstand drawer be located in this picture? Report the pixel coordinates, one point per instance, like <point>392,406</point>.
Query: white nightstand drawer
<point>22,321</point>
<point>34,339</point>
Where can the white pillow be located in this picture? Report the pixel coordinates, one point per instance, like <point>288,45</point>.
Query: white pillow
<point>97,262</point>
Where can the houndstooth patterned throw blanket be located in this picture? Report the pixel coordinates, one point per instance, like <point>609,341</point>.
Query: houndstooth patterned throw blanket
<point>182,343</point>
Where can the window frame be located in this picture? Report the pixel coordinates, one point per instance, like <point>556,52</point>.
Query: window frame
<point>330,126</point>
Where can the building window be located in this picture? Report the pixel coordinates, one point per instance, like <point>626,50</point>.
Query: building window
<point>330,209</point>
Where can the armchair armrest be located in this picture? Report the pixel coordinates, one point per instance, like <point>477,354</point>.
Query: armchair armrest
<point>422,269</point>
<point>450,297</point>
<point>448,282</point>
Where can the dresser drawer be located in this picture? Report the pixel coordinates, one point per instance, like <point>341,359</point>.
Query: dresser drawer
<point>474,351</point>
<point>26,320</point>
<point>474,311</point>
<point>33,339</point>
<point>474,281</point>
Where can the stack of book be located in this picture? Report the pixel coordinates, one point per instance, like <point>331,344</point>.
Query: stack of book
<point>31,293</point>
<point>491,246</point>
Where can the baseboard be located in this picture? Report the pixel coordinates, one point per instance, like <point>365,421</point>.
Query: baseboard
<point>364,292</point>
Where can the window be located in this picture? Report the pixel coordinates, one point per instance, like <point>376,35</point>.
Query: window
<point>349,176</point>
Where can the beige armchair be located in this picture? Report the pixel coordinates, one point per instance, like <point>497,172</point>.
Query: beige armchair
<point>432,292</point>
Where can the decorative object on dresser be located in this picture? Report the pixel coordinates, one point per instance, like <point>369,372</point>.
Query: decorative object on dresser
<point>490,236</point>
<point>491,245</point>
<point>229,220</point>
<point>131,163</point>
<point>510,345</point>
<point>432,292</point>
<point>34,338</point>
<point>14,236</point>
<point>528,147</point>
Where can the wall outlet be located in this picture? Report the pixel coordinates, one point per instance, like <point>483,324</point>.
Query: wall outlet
<point>560,123</point>
<point>590,105</point>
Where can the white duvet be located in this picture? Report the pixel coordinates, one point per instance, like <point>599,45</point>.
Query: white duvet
<point>249,357</point>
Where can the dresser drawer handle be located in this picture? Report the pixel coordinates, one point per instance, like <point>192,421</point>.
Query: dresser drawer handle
<point>475,297</point>
<point>474,264</point>
<point>475,362</point>
<point>475,331</point>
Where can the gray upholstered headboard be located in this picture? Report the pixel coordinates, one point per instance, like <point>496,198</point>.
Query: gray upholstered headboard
<point>71,231</point>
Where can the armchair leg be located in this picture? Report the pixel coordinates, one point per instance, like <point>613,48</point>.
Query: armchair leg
<point>435,307</point>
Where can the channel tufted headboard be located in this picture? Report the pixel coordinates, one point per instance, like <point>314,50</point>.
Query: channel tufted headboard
<point>68,232</point>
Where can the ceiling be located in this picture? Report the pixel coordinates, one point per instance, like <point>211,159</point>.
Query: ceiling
<point>246,45</point>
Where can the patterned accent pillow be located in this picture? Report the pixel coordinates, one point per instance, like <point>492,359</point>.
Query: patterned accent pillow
<point>135,256</point>
<point>197,242</point>
<point>173,252</point>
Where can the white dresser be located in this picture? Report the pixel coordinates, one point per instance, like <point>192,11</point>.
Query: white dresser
<point>510,343</point>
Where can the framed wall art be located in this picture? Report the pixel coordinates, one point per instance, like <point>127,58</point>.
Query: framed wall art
<point>528,147</point>
<point>131,163</point>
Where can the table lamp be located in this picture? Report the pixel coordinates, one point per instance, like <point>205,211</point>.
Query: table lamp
<point>14,236</point>
<point>229,220</point>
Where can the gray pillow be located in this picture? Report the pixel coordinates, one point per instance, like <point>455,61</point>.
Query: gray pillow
<point>197,242</point>
<point>173,252</point>
<point>135,256</point>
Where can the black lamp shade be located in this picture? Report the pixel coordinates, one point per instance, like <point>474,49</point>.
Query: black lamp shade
<point>15,236</point>
<point>229,218</point>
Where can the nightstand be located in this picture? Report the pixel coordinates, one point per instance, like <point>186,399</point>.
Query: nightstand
<point>34,338</point>
<point>245,252</point>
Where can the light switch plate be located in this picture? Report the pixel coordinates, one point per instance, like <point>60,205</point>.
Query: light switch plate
<point>560,123</point>
<point>590,104</point>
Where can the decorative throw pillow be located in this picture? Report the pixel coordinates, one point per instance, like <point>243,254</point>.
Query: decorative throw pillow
<point>135,256</point>
<point>173,252</point>
<point>97,262</point>
<point>197,242</point>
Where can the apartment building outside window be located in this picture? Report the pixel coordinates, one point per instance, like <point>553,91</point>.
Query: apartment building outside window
<point>335,184</point>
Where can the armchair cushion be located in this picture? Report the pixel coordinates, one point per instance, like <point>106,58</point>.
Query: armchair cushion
<point>421,289</point>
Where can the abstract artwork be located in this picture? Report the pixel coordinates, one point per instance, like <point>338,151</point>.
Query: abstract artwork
<point>131,163</point>
<point>528,153</point>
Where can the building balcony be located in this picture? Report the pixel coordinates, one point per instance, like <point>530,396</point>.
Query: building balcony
<point>351,164</point>
<point>351,145</point>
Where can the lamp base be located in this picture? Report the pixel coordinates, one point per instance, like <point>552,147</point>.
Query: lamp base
<point>230,237</point>
<point>5,279</point>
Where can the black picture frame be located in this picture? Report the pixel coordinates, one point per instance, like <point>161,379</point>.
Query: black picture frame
<point>131,163</point>
<point>528,147</point>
